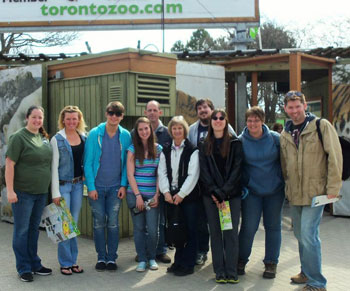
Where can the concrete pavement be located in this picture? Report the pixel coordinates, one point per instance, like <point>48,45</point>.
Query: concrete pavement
<point>335,235</point>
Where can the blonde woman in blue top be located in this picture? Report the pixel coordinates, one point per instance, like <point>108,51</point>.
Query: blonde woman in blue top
<point>142,164</point>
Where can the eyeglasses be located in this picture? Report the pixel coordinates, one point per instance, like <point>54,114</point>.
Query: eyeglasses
<point>220,118</point>
<point>253,120</point>
<point>111,113</point>
<point>294,93</point>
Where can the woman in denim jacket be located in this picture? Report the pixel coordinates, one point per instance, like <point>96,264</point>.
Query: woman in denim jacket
<point>67,177</point>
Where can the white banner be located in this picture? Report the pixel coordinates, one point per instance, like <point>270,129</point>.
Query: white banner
<point>15,13</point>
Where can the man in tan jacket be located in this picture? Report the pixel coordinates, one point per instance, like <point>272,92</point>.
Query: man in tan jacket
<point>310,168</point>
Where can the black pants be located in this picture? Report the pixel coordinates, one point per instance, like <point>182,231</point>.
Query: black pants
<point>203,231</point>
<point>224,244</point>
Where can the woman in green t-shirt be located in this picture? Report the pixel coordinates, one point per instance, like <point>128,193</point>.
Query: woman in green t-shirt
<point>28,175</point>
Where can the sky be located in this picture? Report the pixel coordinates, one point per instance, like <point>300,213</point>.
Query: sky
<point>292,14</point>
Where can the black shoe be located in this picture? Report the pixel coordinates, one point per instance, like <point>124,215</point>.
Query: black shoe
<point>163,258</point>
<point>241,268</point>
<point>100,266</point>
<point>43,271</point>
<point>137,259</point>
<point>26,277</point>
<point>111,266</point>
<point>183,271</point>
<point>220,279</point>
<point>232,280</point>
<point>172,268</point>
<point>270,271</point>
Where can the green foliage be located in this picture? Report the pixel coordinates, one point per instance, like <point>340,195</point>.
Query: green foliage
<point>201,40</point>
<point>274,36</point>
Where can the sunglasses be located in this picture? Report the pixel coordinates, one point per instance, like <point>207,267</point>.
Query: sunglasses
<point>294,93</point>
<point>220,118</point>
<point>111,113</point>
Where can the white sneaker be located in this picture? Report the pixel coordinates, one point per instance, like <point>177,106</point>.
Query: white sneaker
<point>153,265</point>
<point>141,267</point>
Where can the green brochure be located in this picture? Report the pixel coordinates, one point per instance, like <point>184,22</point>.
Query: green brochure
<point>225,217</point>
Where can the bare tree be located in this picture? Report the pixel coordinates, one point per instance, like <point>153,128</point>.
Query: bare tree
<point>25,42</point>
<point>322,33</point>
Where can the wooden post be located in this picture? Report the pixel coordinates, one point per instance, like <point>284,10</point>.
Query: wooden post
<point>295,71</point>
<point>254,101</point>
<point>231,103</point>
<point>330,94</point>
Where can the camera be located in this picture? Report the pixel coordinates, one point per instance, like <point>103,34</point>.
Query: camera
<point>146,203</point>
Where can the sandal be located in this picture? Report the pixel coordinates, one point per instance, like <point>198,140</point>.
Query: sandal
<point>76,269</point>
<point>65,271</point>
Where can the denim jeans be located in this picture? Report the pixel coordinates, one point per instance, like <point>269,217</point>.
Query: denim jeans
<point>186,257</point>
<point>145,230</point>
<point>161,247</point>
<point>224,244</point>
<point>27,213</point>
<point>306,224</point>
<point>105,211</point>
<point>68,249</point>
<point>271,208</point>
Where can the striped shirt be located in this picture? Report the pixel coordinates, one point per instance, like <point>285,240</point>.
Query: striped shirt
<point>146,174</point>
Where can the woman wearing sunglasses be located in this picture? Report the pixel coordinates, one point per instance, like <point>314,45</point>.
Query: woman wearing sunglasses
<point>67,177</point>
<point>220,161</point>
<point>262,175</point>
<point>142,194</point>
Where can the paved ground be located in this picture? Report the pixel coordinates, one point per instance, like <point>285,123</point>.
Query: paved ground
<point>335,235</point>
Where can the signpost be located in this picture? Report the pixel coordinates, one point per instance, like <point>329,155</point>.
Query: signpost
<point>54,15</point>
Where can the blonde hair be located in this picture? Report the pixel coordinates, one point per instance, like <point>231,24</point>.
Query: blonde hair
<point>181,121</point>
<point>294,96</point>
<point>72,109</point>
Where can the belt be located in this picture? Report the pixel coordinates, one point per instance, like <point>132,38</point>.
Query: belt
<point>74,181</point>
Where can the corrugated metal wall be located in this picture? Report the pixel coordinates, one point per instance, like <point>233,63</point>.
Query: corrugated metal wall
<point>91,95</point>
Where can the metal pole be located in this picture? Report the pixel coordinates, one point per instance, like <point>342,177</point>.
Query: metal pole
<point>163,24</point>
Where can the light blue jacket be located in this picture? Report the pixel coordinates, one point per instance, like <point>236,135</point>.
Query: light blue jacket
<point>93,151</point>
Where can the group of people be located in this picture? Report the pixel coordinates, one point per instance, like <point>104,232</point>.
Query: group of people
<point>203,171</point>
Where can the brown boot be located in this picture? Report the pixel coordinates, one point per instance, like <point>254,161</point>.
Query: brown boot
<point>270,271</point>
<point>241,268</point>
<point>299,279</point>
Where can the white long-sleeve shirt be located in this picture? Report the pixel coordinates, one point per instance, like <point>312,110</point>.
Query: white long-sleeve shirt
<point>192,175</point>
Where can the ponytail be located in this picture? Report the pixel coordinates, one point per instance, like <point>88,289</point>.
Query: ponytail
<point>43,132</point>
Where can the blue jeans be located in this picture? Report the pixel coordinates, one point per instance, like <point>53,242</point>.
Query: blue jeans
<point>27,213</point>
<point>161,247</point>
<point>271,209</point>
<point>68,249</point>
<point>186,257</point>
<point>105,211</point>
<point>306,224</point>
<point>145,231</point>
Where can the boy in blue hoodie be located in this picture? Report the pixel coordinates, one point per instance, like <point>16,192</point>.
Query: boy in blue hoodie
<point>106,180</point>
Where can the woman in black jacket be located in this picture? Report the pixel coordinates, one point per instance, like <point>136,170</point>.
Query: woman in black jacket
<point>221,157</point>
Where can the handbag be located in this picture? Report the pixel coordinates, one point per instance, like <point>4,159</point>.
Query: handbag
<point>175,226</point>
